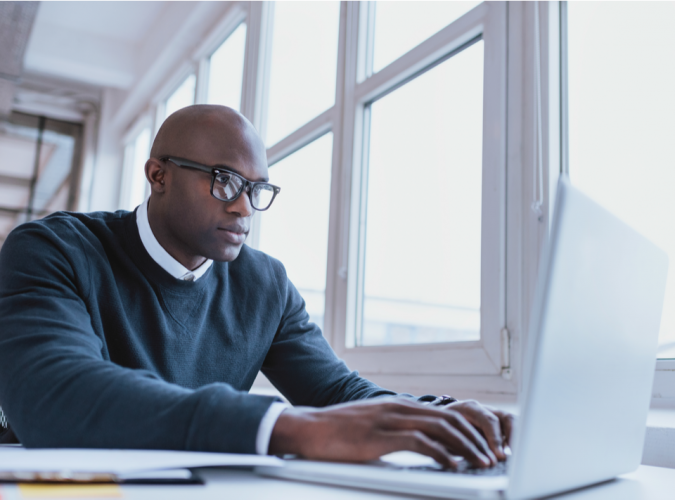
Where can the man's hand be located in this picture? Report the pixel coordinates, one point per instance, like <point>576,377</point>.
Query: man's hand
<point>495,425</point>
<point>368,429</point>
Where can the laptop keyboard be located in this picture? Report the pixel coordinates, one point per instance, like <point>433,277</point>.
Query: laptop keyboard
<point>463,467</point>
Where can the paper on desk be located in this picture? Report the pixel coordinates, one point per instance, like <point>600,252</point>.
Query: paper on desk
<point>122,461</point>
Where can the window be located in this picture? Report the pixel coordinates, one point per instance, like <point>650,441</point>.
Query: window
<point>622,120</point>
<point>295,229</point>
<point>385,126</point>
<point>226,70</point>
<point>135,186</point>
<point>400,26</point>
<point>183,96</point>
<point>422,241</point>
<point>303,64</point>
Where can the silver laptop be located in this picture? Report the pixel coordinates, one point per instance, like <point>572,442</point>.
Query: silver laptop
<point>588,370</point>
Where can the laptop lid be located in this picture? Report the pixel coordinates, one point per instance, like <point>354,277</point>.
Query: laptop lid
<point>591,354</point>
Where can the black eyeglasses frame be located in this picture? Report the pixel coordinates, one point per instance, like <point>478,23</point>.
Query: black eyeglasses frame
<point>246,185</point>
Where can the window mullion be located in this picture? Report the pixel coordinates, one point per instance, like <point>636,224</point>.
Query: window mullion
<point>256,81</point>
<point>340,281</point>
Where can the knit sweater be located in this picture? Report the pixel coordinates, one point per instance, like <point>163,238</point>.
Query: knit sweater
<point>101,347</point>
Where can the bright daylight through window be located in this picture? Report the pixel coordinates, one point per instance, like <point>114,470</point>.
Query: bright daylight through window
<point>304,65</point>
<point>295,229</point>
<point>622,120</point>
<point>400,26</point>
<point>421,272</point>
<point>134,182</point>
<point>183,96</point>
<point>226,70</point>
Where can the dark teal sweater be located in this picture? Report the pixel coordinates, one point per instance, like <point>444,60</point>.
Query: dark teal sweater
<point>100,347</point>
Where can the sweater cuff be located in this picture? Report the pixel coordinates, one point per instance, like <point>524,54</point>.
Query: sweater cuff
<point>262,441</point>
<point>226,420</point>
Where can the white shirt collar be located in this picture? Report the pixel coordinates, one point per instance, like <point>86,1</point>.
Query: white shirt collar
<point>161,256</point>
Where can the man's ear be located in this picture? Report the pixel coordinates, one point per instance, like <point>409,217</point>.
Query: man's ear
<point>155,172</point>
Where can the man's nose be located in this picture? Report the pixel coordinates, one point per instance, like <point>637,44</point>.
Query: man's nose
<point>241,206</point>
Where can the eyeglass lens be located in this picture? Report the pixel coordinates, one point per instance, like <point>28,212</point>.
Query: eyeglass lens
<point>226,187</point>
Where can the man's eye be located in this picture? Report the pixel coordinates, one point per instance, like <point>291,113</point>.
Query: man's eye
<point>223,178</point>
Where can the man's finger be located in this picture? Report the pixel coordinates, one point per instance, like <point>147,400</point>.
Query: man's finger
<point>486,422</point>
<point>438,429</point>
<point>418,442</point>
<point>456,419</point>
<point>506,420</point>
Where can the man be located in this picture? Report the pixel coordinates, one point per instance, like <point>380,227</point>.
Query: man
<point>147,329</point>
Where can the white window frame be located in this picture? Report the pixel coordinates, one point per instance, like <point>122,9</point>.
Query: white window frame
<point>464,367</point>
<point>492,368</point>
<point>483,357</point>
<point>235,17</point>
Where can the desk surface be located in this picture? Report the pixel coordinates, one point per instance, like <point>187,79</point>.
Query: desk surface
<point>647,483</point>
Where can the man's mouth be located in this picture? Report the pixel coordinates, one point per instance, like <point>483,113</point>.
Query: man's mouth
<point>234,234</point>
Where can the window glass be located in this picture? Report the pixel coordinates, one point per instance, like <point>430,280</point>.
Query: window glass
<point>400,26</point>
<point>183,96</point>
<point>304,64</point>
<point>226,70</point>
<point>295,228</point>
<point>622,120</point>
<point>135,156</point>
<point>421,281</point>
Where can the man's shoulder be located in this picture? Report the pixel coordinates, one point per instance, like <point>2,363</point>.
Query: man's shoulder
<point>65,228</point>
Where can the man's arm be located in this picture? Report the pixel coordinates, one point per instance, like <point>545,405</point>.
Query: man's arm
<point>58,391</point>
<point>302,365</point>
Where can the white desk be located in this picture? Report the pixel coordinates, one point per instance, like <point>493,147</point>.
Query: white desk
<point>647,483</point>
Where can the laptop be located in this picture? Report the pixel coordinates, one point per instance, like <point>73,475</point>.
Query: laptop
<point>588,371</point>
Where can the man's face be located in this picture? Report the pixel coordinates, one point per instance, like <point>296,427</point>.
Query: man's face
<point>200,223</point>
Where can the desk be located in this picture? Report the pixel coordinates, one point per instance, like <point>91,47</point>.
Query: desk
<point>647,483</point>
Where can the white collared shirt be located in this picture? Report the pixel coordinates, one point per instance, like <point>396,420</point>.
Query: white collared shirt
<point>180,272</point>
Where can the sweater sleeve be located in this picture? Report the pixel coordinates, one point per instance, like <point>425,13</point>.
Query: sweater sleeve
<point>302,365</point>
<point>56,388</point>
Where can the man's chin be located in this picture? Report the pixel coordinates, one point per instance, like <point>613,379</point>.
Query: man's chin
<point>227,254</point>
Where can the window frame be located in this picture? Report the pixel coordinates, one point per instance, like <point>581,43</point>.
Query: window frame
<point>481,357</point>
<point>495,376</point>
<point>216,38</point>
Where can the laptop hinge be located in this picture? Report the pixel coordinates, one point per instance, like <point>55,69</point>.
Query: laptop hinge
<point>506,353</point>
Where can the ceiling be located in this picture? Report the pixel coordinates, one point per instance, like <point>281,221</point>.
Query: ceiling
<point>98,43</point>
<point>122,21</point>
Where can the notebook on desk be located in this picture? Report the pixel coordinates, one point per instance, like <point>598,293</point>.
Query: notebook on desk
<point>18,464</point>
<point>588,370</point>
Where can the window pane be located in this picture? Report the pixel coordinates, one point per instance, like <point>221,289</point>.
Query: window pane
<point>226,70</point>
<point>423,233</point>
<point>304,62</point>
<point>183,96</point>
<point>295,228</point>
<point>400,26</point>
<point>622,120</point>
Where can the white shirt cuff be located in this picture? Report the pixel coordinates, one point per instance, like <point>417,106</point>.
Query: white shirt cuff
<point>262,440</point>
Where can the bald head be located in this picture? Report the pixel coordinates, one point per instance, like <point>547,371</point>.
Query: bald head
<point>191,130</point>
<point>187,221</point>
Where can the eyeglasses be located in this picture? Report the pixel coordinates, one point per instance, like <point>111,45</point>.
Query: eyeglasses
<point>228,186</point>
